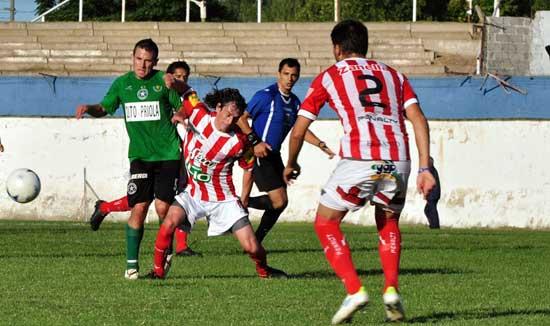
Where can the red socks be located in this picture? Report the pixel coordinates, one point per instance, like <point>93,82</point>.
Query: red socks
<point>389,248</point>
<point>119,205</point>
<point>163,242</point>
<point>337,252</point>
<point>181,240</point>
<point>260,259</point>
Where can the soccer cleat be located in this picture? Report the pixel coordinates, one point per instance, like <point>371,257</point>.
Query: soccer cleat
<point>97,216</point>
<point>270,272</point>
<point>131,274</point>
<point>167,264</point>
<point>393,306</point>
<point>351,304</point>
<point>188,252</point>
<point>153,276</point>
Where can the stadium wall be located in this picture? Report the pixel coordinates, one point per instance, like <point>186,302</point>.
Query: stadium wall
<point>490,146</point>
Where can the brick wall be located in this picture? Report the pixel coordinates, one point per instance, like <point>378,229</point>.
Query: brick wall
<point>507,45</point>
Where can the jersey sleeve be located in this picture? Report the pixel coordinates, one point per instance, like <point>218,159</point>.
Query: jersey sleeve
<point>246,162</point>
<point>315,98</point>
<point>111,101</point>
<point>195,110</point>
<point>409,96</point>
<point>260,100</point>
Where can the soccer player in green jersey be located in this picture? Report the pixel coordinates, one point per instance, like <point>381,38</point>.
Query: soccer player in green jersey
<point>148,97</point>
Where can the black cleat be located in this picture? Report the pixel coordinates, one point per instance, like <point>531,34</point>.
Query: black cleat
<point>274,273</point>
<point>97,216</point>
<point>188,252</point>
<point>153,276</point>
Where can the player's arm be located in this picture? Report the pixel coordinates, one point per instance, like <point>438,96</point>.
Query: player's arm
<point>292,169</point>
<point>261,148</point>
<point>95,110</point>
<point>178,85</point>
<point>425,180</point>
<point>248,179</point>
<point>311,138</point>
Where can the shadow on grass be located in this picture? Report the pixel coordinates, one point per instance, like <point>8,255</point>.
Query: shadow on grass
<point>404,271</point>
<point>473,315</point>
<point>53,255</point>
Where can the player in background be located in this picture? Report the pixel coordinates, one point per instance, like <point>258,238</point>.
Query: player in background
<point>430,210</point>
<point>372,100</point>
<point>181,71</point>
<point>148,97</point>
<point>212,145</point>
<point>1,146</point>
<point>273,112</point>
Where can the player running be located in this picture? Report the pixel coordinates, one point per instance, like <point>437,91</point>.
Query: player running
<point>212,145</point>
<point>181,71</point>
<point>372,101</point>
<point>273,112</point>
<point>148,98</point>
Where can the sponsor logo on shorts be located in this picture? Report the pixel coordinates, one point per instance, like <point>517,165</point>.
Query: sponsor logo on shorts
<point>132,188</point>
<point>139,176</point>
<point>384,170</point>
<point>142,93</point>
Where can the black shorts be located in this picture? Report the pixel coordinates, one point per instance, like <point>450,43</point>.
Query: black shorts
<point>268,172</point>
<point>150,180</point>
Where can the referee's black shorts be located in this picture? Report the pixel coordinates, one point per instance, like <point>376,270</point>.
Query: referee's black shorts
<point>268,172</point>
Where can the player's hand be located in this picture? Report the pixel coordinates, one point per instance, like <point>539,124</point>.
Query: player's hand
<point>1,148</point>
<point>291,173</point>
<point>262,149</point>
<point>327,150</point>
<point>169,80</point>
<point>425,183</point>
<point>178,117</point>
<point>81,110</point>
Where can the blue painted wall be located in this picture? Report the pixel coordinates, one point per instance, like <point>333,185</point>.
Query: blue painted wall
<point>441,98</point>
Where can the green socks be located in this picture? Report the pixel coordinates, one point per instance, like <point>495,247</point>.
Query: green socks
<point>133,241</point>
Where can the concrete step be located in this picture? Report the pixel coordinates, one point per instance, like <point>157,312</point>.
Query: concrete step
<point>282,41</point>
<point>435,35</point>
<point>193,33</point>
<point>33,59</point>
<point>75,46</point>
<point>134,33</point>
<point>226,70</point>
<point>425,55</point>
<point>268,47</point>
<point>61,32</point>
<point>59,25</point>
<point>130,46</point>
<point>256,33</point>
<point>206,47</point>
<point>276,55</point>
<point>21,45</point>
<point>188,27</point>
<point>17,39</point>
<point>13,32</point>
<point>213,54</point>
<point>200,40</point>
<point>254,27</point>
<point>69,39</point>
<point>433,70</point>
<point>134,40</point>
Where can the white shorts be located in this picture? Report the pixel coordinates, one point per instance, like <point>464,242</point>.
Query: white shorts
<point>354,183</point>
<point>220,215</point>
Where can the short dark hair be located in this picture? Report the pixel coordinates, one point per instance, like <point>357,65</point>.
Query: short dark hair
<point>224,96</point>
<point>177,65</point>
<point>149,45</point>
<point>290,62</point>
<point>352,36</point>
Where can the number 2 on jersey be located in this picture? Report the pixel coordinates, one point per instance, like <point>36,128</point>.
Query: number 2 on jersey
<point>364,94</point>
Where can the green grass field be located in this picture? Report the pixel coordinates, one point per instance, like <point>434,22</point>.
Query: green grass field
<point>62,273</point>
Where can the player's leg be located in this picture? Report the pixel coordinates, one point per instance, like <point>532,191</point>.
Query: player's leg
<point>268,174</point>
<point>103,208</point>
<point>140,195</point>
<point>389,248</point>
<point>163,244</point>
<point>242,230</point>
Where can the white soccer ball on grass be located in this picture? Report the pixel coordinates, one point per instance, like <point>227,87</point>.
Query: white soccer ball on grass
<point>23,185</point>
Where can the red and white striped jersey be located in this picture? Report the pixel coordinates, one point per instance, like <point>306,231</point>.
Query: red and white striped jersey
<point>210,155</point>
<point>370,99</point>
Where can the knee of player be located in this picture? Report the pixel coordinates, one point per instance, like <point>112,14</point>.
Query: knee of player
<point>280,204</point>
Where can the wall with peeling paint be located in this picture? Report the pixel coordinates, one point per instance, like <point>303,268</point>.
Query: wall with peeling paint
<point>493,173</point>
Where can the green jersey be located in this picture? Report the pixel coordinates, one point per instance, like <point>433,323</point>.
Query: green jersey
<point>147,105</point>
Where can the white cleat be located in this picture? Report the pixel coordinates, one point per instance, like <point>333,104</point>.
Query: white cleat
<point>351,304</point>
<point>131,274</point>
<point>167,264</point>
<point>393,305</point>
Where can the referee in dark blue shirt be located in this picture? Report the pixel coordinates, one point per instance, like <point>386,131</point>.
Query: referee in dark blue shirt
<point>273,111</point>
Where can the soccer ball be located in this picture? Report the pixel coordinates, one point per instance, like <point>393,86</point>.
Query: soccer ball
<point>23,185</point>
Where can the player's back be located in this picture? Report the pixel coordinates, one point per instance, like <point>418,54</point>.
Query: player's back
<point>369,98</point>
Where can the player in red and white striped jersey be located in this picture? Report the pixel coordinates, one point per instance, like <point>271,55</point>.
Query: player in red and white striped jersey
<point>372,101</point>
<point>212,144</point>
